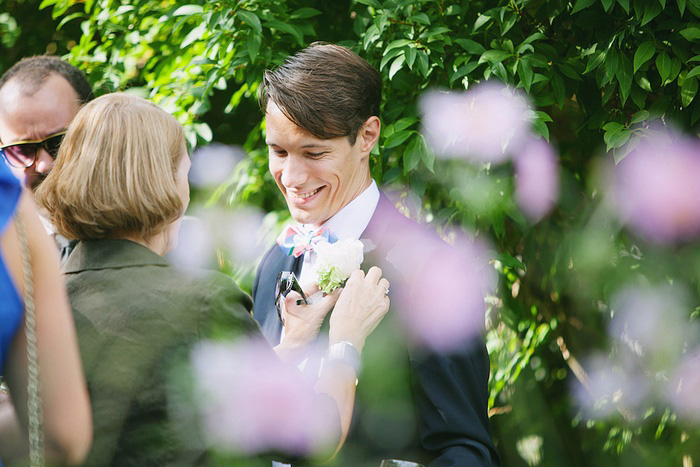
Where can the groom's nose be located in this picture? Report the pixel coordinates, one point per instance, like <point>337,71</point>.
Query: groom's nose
<point>294,172</point>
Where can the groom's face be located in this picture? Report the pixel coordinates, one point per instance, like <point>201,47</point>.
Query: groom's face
<point>317,177</point>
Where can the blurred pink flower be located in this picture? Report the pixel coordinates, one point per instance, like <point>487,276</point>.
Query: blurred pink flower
<point>440,297</point>
<point>537,179</point>
<point>657,191</point>
<point>251,402</point>
<point>684,387</point>
<point>485,124</point>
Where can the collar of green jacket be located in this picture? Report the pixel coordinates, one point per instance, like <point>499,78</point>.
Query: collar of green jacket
<point>108,254</point>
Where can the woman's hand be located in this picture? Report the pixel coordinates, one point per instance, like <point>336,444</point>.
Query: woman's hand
<point>303,322</point>
<point>360,308</point>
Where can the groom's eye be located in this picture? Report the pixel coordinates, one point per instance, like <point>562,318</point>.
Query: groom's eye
<point>316,154</point>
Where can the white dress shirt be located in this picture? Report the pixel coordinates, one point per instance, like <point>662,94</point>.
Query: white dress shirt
<point>347,224</point>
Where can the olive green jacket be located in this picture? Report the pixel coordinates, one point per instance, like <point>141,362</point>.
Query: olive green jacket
<point>137,318</point>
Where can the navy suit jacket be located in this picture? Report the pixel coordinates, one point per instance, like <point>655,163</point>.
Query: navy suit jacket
<point>411,404</point>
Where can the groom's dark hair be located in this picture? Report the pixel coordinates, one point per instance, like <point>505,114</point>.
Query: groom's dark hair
<point>326,89</point>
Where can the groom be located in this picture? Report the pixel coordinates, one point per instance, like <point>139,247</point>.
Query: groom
<point>322,108</point>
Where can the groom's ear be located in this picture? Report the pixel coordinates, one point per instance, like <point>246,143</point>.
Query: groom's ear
<point>368,135</point>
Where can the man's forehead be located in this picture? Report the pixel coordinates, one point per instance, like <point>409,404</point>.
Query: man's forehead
<point>35,115</point>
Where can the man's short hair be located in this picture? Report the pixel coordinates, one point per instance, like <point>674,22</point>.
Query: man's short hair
<point>32,72</point>
<point>116,171</point>
<point>325,89</point>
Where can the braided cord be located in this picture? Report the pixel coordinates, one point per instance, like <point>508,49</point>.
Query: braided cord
<point>36,433</point>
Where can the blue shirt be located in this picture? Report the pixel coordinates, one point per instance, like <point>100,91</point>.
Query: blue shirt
<point>11,307</point>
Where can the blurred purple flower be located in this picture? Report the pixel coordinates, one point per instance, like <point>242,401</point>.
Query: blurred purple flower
<point>485,124</point>
<point>251,402</point>
<point>194,249</point>
<point>684,387</point>
<point>609,389</point>
<point>537,179</point>
<point>214,164</point>
<point>441,295</point>
<point>651,322</point>
<point>238,232</point>
<point>657,191</point>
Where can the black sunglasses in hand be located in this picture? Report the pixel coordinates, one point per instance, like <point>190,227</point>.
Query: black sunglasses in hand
<point>286,282</point>
<point>22,154</point>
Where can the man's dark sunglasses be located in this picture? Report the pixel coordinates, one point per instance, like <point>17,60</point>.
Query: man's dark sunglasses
<point>286,282</point>
<point>22,154</point>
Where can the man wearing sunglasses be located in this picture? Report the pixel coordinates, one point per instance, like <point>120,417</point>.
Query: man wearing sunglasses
<point>39,96</point>
<point>322,122</point>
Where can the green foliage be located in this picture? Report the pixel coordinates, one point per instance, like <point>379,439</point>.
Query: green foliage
<point>597,73</point>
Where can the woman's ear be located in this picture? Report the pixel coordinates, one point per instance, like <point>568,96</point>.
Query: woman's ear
<point>368,136</point>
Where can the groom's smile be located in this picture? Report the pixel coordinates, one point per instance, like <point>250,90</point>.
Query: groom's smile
<point>317,177</point>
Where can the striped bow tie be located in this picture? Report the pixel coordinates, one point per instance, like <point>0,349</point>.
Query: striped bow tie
<point>296,240</point>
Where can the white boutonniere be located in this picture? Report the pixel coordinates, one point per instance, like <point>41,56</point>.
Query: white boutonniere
<point>336,261</point>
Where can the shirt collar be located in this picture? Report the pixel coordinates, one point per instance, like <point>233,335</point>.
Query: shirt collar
<point>352,220</point>
<point>109,254</point>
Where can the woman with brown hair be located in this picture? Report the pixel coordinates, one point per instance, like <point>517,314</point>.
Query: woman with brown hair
<point>120,186</point>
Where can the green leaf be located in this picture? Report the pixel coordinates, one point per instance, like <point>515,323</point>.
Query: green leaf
<point>544,116</point>
<point>397,43</point>
<point>69,18</point>
<point>471,46</point>
<point>509,261</point>
<point>397,138</point>
<point>413,154</point>
<point>688,91</point>
<point>607,4</point>
<point>613,127</point>
<point>254,41</point>
<point>188,10</point>
<point>694,72</point>
<point>396,65</point>
<point>480,21</point>
<point>663,64</point>
<point>290,29</point>
<point>421,18</point>
<point>404,123</point>
<point>644,52</point>
<point>388,56</point>
<point>251,19</point>
<point>303,13</point>
<point>525,73</point>
<point>423,63</point>
<point>541,128</point>
<point>651,11</point>
<point>410,56</point>
<point>463,71</point>
<point>692,33</point>
<point>493,57</point>
<point>624,77</point>
<point>581,4</point>
<point>595,61</point>
<point>559,89</point>
<point>618,139</point>
<point>372,3</point>
<point>681,6</point>
<point>639,117</point>
<point>612,60</point>
<point>644,83</point>
<point>625,4</point>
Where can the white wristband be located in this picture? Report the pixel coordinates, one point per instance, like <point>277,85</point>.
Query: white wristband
<point>345,352</point>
